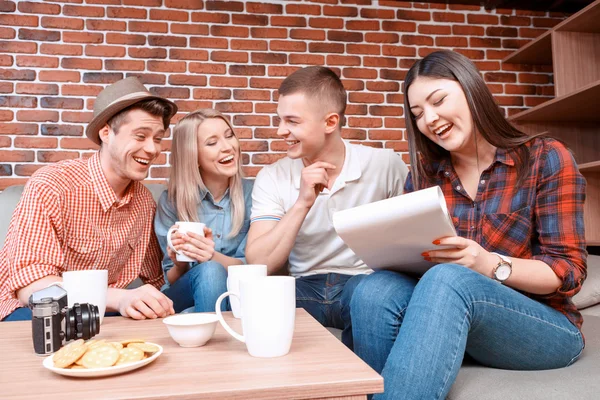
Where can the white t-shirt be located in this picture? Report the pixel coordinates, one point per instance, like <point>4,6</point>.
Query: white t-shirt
<point>368,175</point>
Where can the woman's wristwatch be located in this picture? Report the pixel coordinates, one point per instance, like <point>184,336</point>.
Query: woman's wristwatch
<point>503,270</point>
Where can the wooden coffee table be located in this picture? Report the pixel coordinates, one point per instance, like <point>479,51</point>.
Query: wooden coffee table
<point>318,367</point>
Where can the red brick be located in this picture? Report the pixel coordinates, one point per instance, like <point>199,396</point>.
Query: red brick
<point>186,4</point>
<point>482,19</point>
<point>36,142</point>
<point>61,130</point>
<point>82,37</point>
<point>254,145</point>
<point>216,5</point>
<point>105,51</point>
<point>501,31</point>
<point>472,54</point>
<point>248,70</point>
<point>249,44</point>
<point>399,26</point>
<point>102,77</point>
<point>530,32</point>
<point>167,41</point>
<point>281,71</point>
<point>207,68</point>
<point>189,105</point>
<point>382,37</point>
<point>4,183</point>
<point>80,90</point>
<point>81,63</point>
<point>363,25</point>
<point>126,13</point>
<point>17,47</point>
<point>61,49</point>
<point>246,94</point>
<point>514,43</point>
<point>413,15</point>
<point>399,51</point>
<point>390,122</point>
<point>451,41</point>
<point>190,80</point>
<point>353,85</point>
<point>62,23</point>
<point>343,60</point>
<point>78,144</point>
<point>393,74</point>
<point>340,11</point>
<point>383,86</point>
<point>229,56</point>
<point>326,48</point>
<point>229,31</point>
<point>248,19</point>
<point>468,30</point>
<point>303,9</point>
<point>121,38</point>
<point>252,120</point>
<point>307,34</point>
<point>17,74</point>
<point>308,59</point>
<point>5,141</point>
<point>355,134</point>
<point>386,111</point>
<point>535,101</point>
<point>435,29</point>
<point>369,98</point>
<point>534,78</point>
<point>7,33</point>
<point>18,20</point>
<point>484,42</point>
<point>175,54</point>
<point>397,146</point>
<point>288,21</point>
<point>385,134</point>
<point>83,11</point>
<point>264,8</point>
<point>234,107</point>
<point>17,155</point>
<point>124,65</point>
<point>54,156</point>
<point>266,158</point>
<point>208,43</point>
<point>362,122</point>
<point>500,77</point>
<point>216,18</point>
<point>76,117</point>
<point>360,73</point>
<point>414,40</point>
<point>272,33</point>
<point>59,76</point>
<point>222,81</point>
<point>546,22</point>
<point>171,93</point>
<point>268,133</point>
<point>344,36</point>
<point>61,102</point>
<point>6,115</point>
<point>157,27</point>
<point>212,94</point>
<point>36,88</point>
<point>166,66</point>
<point>6,87</point>
<point>190,29</point>
<point>105,25</point>
<point>515,21</point>
<point>7,6</point>
<point>27,169</point>
<point>39,35</point>
<point>18,129</point>
<point>269,58</point>
<point>169,15</point>
<point>448,17</point>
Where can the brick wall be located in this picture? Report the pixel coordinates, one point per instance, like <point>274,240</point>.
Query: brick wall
<point>56,56</point>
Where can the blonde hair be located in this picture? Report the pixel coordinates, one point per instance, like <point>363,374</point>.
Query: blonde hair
<point>185,181</point>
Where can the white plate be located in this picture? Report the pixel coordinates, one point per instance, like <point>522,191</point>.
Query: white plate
<point>97,372</point>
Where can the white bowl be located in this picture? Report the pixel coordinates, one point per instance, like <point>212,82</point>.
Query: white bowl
<point>193,329</point>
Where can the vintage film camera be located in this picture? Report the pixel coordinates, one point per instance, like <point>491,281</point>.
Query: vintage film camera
<point>53,323</point>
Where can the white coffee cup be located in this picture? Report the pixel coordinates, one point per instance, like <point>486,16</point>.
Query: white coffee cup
<point>235,273</point>
<point>269,314</point>
<point>184,227</point>
<point>89,286</point>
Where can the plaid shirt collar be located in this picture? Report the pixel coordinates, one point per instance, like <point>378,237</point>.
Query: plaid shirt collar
<point>105,193</point>
<point>504,156</point>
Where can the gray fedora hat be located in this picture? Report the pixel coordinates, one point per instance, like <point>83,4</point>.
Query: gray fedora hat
<point>114,99</point>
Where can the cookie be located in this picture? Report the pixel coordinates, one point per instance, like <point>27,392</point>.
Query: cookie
<point>145,347</point>
<point>69,354</point>
<point>100,357</point>
<point>129,355</point>
<point>126,342</point>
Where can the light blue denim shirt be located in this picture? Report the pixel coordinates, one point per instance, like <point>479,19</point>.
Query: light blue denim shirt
<point>216,216</point>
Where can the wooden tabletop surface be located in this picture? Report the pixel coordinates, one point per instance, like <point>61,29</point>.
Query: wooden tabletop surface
<point>318,367</point>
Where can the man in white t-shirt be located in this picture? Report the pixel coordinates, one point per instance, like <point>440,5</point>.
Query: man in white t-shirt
<point>294,199</point>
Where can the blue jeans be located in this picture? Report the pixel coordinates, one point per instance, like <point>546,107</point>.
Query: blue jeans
<point>327,298</point>
<point>24,314</point>
<point>200,287</point>
<point>416,332</point>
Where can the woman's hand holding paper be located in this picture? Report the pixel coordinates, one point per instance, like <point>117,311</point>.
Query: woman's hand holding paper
<point>463,252</point>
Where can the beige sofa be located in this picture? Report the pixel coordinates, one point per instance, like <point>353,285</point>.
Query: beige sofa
<point>474,382</point>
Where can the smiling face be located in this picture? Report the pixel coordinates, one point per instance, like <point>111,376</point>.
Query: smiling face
<point>218,150</point>
<point>441,113</point>
<point>302,125</point>
<point>126,155</point>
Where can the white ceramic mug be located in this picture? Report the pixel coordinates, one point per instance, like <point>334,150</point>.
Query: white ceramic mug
<point>87,286</point>
<point>235,273</point>
<point>184,227</point>
<point>269,314</point>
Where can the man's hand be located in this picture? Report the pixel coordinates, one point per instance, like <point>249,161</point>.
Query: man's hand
<point>314,179</point>
<point>464,252</point>
<point>144,302</point>
<point>200,248</point>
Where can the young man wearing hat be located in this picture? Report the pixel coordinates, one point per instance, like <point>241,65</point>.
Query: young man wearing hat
<point>94,213</point>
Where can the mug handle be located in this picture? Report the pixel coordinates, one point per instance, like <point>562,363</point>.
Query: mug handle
<point>169,233</point>
<point>222,321</point>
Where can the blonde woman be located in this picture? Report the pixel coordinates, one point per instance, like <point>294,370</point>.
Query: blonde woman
<point>205,185</point>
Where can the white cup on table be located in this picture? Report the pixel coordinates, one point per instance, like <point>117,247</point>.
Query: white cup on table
<point>184,227</point>
<point>87,286</point>
<point>236,273</point>
<point>269,314</point>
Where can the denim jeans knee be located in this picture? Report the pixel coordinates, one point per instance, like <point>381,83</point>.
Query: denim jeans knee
<point>208,281</point>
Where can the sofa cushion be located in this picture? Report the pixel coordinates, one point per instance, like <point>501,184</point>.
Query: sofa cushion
<point>9,198</point>
<point>578,381</point>
<point>590,291</point>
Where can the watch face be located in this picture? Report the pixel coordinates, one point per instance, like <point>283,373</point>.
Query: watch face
<point>503,272</point>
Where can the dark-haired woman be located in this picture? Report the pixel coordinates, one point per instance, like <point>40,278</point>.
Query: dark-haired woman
<point>501,292</point>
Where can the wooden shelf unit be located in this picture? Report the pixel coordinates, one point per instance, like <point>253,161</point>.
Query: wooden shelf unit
<point>573,116</point>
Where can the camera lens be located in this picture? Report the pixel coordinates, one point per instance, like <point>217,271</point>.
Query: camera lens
<point>82,321</point>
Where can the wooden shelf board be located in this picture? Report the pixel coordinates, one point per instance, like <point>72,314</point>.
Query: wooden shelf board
<point>593,166</point>
<point>538,52</point>
<point>586,20</point>
<point>593,242</point>
<point>580,105</point>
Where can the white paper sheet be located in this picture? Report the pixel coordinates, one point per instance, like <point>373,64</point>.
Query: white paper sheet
<point>392,233</point>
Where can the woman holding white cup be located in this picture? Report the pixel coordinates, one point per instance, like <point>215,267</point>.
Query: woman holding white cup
<point>203,218</point>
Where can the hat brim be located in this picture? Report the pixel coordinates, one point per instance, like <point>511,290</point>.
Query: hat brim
<point>93,128</point>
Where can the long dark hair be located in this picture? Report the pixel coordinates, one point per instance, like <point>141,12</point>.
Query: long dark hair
<point>486,114</point>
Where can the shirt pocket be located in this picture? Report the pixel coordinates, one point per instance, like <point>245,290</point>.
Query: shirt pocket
<point>84,252</point>
<point>508,234</point>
